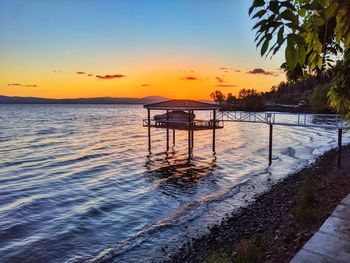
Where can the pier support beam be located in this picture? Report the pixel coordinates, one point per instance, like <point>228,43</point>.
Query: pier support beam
<point>173,137</point>
<point>192,138</point>
<point>270,144</point>
<point>214,126</point>
<point>340,135</point>
<point>149,129</point>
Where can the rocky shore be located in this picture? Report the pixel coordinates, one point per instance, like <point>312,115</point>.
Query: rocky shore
<point>280,221</point>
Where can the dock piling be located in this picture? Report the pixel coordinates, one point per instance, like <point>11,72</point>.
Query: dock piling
<point>214,125</point>
<point>167,130</point>
<point>149,129</point>
<point>270,144</point>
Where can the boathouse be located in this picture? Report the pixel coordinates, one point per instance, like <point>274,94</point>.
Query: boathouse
<point>180,115</point>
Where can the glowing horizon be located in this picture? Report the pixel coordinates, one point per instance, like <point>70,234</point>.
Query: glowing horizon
<point>80,49</point>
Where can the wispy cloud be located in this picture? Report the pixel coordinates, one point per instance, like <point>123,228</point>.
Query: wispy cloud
<point>90,75</point>
<point>238,70</point>
<point>226,85</point>
<point>260,71</point>
<point>190,78</point>
<point>81,72</point>
<point>223,68</point>
<point>116,76</point>
<point>22,85</point>
<point>145,85</point>
<point>57,71</point>
<point>219,79</point>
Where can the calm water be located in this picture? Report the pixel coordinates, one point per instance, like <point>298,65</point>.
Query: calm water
<point>78,184</point>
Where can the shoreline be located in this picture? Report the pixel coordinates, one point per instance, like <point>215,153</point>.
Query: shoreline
<point>276,225</point>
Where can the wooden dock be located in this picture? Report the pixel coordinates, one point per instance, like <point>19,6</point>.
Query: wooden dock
<point>218,118</point>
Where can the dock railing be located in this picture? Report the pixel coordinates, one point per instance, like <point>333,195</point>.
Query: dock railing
<point>328,121</point>
<point>195,124</point>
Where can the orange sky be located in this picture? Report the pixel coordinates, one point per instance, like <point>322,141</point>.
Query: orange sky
<point>173,81</point>
<point>166,48</point>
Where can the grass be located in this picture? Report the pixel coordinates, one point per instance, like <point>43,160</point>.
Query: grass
<point>307,210</point>
<point>219,257</point>
<point>249,251</point>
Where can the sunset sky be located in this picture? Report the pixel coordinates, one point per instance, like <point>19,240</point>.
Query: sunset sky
<point>130,48</point>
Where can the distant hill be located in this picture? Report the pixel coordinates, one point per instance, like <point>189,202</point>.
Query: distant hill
<point>101,100</point>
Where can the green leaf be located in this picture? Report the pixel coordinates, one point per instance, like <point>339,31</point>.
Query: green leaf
<point>331,10</point>
<point>258,3</point>
<point>280,36</point>
<point>291,56</point>
<point>302,12</point>
<point>265,47</point>
<point>259,14</point>
<point>260,41</point>
<point>251,10</point>
<point>301,55</point>
<point>287,4</point>
<point>259,24</point>
<point>288,15</point>
<point>274,7</point>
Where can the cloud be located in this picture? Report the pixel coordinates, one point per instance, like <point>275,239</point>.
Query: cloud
<point>90,75</point>
<point>260,71</point>
<point>226,85</point>
<point>57,71</point>
<point>81,72</point>
<point>145,85</point>
<point>22,85</point>
<point>116,76</point>
<point>190,78</point>
<point>238,70</point>
<point>220,79</point>
<point>223,68</point>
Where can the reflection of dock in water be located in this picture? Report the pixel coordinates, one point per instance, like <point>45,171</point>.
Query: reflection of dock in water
<point>168,168</point>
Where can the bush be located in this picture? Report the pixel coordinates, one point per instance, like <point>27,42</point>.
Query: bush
<point>306,211</point>
<point>249,251</point>
<point>319,98</point>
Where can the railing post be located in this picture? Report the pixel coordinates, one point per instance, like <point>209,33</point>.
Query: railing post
<point>270,144</point>
<point>149,128</point>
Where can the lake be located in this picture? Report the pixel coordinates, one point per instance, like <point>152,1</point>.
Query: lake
<point>77,182</point>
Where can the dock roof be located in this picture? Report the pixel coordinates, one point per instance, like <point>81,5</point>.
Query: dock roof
<point>182,105</point>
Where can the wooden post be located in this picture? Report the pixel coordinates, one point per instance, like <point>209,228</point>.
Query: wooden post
<point>189,133</point>
<point>214,126</point>
<point>149,129</point>
<point>167,130</point>
<point>270,145</point>
<point>192,138</point>
<point>173,137</point>
<point>340,134</point>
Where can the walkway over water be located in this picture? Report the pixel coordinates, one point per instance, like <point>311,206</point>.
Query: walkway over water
<point>328,121</point>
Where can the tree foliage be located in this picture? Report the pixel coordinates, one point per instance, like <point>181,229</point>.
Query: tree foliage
<point>319,98</point>
<point>339,94</point>
<point>314,34</point>
<point>217,96</point>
